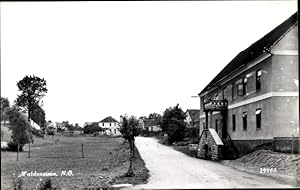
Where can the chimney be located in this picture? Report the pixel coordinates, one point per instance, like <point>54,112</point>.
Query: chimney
<point>121,119</point>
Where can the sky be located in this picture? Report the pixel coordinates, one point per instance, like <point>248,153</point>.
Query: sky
<point>105,58</point>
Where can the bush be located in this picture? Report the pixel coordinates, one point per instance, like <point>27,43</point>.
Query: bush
<point>173,123</point>
<point>91,129</point>
<point>19,126</point>
<point>191,132</point>
<point>37,133</point>
<point>13,146</point>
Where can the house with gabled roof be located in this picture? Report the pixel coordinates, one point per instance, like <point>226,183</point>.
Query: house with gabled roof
<point>253,101</point>
<point>153,125</point>
<point>192,117</point>
<point>110,126</point>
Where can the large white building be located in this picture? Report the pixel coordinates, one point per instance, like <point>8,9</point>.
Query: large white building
<point>110,125</point>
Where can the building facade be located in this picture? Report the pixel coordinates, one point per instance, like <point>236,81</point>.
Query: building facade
<point>110,125</point>
<point>152,125</point>
<point>255,98</point>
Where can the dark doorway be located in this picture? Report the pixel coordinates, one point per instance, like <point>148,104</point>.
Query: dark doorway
<point>206,153</point>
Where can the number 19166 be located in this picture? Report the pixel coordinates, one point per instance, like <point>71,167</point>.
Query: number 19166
<point>268,170</point>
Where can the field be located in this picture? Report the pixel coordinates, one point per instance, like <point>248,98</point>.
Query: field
<point>105,162</point>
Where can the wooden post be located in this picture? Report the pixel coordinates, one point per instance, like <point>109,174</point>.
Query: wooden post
<point>82,153</point>
<point>29,150</point>
<point>18,151</point>
<point>133,148</point>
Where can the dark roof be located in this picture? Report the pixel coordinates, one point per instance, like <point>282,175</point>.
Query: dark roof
<point>197,117</point>
<point>109,119</point>
<point>254,50</point>
<point>193,113</point>
<point>151,122</point>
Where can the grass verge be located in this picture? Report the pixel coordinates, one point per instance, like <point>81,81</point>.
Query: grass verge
<point>105,162</point>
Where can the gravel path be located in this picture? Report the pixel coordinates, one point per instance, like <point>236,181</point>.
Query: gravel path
<point>173,169</point>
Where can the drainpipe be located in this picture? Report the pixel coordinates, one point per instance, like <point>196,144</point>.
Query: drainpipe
<point>210,119</point>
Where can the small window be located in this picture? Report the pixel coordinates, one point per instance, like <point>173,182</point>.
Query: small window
<point>102,124</point>
<point>258,118</point>
<point>258,79</point>
<point>240,89</point>
<point>244,120</point>
<point>217,125</point>
<point>234,91</point>
<point>109,124</point>
<point>233,122</point>
<point>225,93</point>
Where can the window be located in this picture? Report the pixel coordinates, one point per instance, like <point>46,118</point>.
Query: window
<point>234,90</point>
<point>258,118</point>
<point>225,93</point>
<point>240,89</point>
<point>233,122</point>
<point>245,86</point>
<point>244,120</point>
<point>258,79</point>
<point>109,124</point>
<point>102,124</point>
<point>217,126</point>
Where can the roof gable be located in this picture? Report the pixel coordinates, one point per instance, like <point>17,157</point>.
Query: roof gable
<point>109,119</point>
<point>193,113</point>
<point>289,41</point>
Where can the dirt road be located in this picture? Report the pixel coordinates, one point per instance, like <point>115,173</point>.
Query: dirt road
<point>173,169</point>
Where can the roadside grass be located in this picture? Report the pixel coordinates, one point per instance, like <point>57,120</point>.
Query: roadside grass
<point>185,149</point>
<point>105,161</point>
<point>181,146</point>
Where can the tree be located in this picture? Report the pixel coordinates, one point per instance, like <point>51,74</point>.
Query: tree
<point>129,130</point>
<point>173,123</point>
<point>33,89</point>
<point>19,126</point>
<point>68,126</point>
<point>77,127</point>
<point>92,128</point>
<point>4,104</point>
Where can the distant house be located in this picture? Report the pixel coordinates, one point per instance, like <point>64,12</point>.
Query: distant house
<point>152,125</point>
<point>192,117</point>
<point>60,126</point>
<point>110,126</point>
